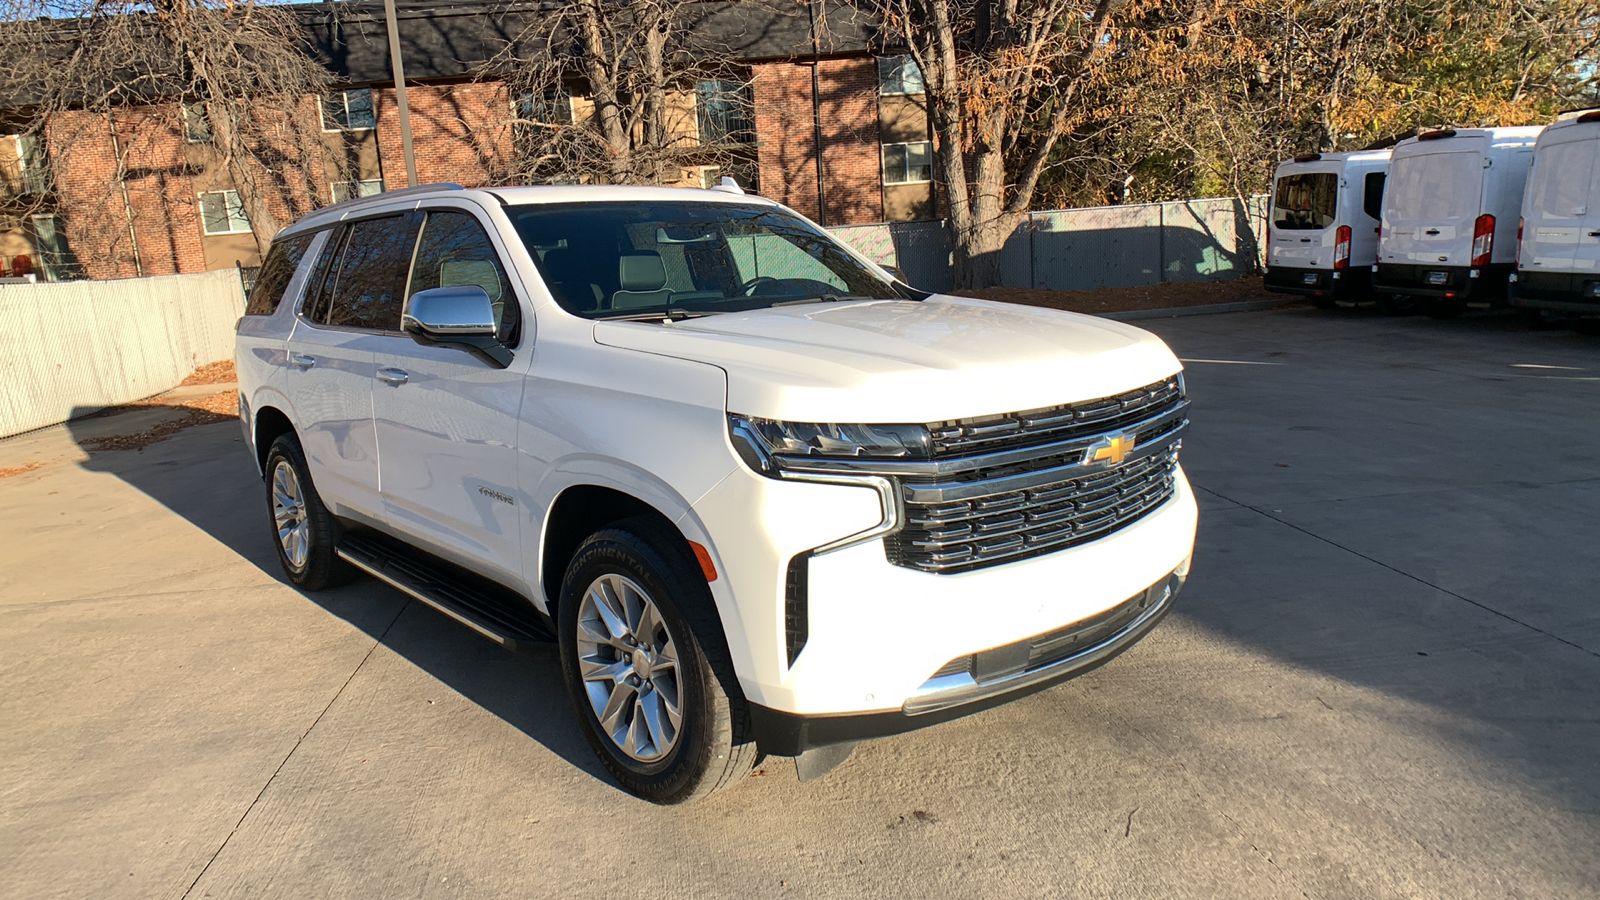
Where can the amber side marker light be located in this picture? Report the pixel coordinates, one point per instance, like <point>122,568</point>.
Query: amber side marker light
<point>703,557</point>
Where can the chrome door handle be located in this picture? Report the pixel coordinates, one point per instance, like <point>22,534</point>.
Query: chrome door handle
<point>1431,231</point>
<point>302,360</point>
<point>393,376</point>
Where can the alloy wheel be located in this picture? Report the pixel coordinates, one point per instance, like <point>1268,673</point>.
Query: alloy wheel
<point>289,514</point>
<point>629,666</point>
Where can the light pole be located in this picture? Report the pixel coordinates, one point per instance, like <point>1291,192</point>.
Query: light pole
<point>400,93</point>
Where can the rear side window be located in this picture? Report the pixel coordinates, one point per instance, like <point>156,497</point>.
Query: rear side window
<point>1306,200</point>
<point>366,286</point>
<point>456,251</point>
<point>276,273</point>
<point>1372,197</point>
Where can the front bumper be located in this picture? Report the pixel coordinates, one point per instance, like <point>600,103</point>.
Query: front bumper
<point>996,676</point>
<point>1342,284</point>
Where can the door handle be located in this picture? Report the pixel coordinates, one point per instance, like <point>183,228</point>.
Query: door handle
<point>1594,234</point>
<point>1431,231</point>
<point>301,360</point>
<point>393,376</point>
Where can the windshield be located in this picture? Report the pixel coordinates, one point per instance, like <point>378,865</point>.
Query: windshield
<point>603,260</point>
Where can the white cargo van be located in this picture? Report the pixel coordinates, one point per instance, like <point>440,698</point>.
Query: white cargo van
<point>1558,260</point>
<point>1322,231</point>
<point>1450,216</point>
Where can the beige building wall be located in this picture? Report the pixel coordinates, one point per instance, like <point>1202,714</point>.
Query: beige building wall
<point>903,119</point>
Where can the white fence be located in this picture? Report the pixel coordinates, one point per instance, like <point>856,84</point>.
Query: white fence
<point>72,348</point>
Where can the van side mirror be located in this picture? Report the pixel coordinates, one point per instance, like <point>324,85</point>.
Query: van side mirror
<point>462,315</point>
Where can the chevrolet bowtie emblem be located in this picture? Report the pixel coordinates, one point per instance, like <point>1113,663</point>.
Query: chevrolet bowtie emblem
<point>1111,449</point>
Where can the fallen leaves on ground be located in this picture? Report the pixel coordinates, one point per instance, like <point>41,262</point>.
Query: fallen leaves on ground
<point>220,372</point>
<point>18,470</point>
<point>211,408</point>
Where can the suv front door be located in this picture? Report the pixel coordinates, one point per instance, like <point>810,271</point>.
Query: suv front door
<point>447,420</point>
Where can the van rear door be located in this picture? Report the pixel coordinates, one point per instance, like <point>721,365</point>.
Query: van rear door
<point>1432,200</point>
<point>1562,205</point>
<point>1305,209</point>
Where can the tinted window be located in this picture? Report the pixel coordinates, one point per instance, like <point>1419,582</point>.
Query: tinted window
<point>604,259</point>
<point>455,250</point>
<point>366,289</point>
<point>273,279</point>
<point>1306,200</point>
<point>1372,199</point>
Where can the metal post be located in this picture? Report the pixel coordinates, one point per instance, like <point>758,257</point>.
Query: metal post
<point>816,114</point>
<point>400,93</point>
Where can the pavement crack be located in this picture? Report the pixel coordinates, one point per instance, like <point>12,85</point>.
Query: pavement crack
<point>376,643</point>
<point>1398,571</point>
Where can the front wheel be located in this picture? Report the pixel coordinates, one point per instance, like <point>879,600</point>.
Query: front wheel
<point>644,660</point>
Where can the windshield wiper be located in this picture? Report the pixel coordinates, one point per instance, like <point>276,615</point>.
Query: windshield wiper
<point>670,314</point>
<point>824,298</point>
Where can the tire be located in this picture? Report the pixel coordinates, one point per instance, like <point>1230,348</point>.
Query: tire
<point>1397,305</point>
<point>1536,319</point>
<point>1588,327</point>
<point>1324,303</point>
<point>304,532</point>
<point>1445,308</point>
<point>624,568</point>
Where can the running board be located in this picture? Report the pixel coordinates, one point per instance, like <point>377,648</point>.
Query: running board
<point>496,612</point>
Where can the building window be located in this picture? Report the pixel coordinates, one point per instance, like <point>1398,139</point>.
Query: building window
<point>31,165</point>
<point>548,108</point>
<point>710,176</point>
<point>348,111</point>
<point>196,124</point>
<point>52,247</point>
<point>221,212</point>
<point>908,163</point>
<point>899,75</point>
<point>722,111</point>
<point>349,190</point>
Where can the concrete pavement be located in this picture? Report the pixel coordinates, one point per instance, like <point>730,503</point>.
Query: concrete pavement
<point>1382,681</point>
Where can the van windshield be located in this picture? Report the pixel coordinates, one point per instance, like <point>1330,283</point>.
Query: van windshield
<point>1306,200</point>
<point>1435,186</point>
<point>609,260</point>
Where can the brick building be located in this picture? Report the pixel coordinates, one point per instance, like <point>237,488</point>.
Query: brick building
<point>69,214</point>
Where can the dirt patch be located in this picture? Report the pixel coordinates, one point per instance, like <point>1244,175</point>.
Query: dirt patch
<point>211,408</point>
<point>1158,296</point>
<point>215,373</point>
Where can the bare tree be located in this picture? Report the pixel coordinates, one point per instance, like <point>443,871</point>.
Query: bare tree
<point>234,76</point>
<point>1001,78</point>
<point>623,91</point>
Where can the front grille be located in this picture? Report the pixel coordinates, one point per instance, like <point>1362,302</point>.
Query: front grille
<point>958,537</point>
<point>966,437</point>
<point>1027,505</point>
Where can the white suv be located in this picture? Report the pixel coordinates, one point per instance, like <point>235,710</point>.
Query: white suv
<point>767,499</point>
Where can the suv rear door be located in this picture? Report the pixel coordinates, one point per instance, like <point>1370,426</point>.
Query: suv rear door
<point>1432,199</point>
<point>353,297</point>
<point>446,419</point>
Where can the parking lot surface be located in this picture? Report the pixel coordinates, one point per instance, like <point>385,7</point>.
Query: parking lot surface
<point>1383,680</point>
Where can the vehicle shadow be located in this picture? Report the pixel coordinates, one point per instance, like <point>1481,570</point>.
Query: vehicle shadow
<point>204,474</point>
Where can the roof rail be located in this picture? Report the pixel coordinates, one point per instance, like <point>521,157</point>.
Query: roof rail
<point>355,202</point>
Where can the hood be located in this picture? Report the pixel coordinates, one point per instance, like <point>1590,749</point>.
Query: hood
<point>895,361</point>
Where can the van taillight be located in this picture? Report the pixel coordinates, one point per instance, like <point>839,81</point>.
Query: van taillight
<point>1518,257</point>
<point>1341,247</point>
<point>1482,240</point>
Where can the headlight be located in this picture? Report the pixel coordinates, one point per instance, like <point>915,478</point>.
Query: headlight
<point>757,440</point>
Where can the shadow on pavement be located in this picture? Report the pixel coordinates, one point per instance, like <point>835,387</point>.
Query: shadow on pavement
<point>204,474</point>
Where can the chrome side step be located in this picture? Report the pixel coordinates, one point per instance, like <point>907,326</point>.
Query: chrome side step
<point>491,610</point>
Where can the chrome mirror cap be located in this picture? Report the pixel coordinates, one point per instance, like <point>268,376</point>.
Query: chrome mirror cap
<point>450,312</point>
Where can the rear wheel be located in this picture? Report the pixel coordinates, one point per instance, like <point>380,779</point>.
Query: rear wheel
<point>305,532</point>
<point>1446,308</point>
<point>1536,319</point>
<point>1323,302</point>
<point>1397,305</point>
<point>644,660</point>
<point>1589,327</point>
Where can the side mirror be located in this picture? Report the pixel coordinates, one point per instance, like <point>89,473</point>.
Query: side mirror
<point>461,315</point>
